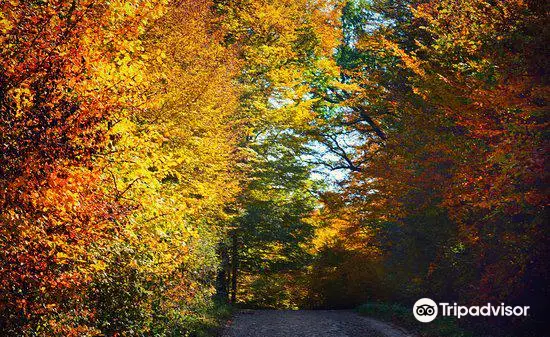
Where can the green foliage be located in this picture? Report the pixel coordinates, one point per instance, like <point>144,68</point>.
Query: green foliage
<point>272,230</point>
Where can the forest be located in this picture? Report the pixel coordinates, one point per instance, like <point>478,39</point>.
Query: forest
<point>165,161</point>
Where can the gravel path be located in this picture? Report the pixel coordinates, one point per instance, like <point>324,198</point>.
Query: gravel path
<point>308,323</point>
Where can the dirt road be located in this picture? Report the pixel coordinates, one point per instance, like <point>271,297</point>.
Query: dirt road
<point>308,323</point>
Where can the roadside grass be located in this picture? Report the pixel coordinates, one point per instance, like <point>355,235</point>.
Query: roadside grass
<point>208,323</point>
<point>216,320</point>
<point>403,317</point>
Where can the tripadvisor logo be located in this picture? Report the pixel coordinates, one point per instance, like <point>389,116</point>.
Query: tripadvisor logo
<point>425,310</point>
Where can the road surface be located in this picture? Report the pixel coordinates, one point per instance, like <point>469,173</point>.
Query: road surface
<point>308,323</point>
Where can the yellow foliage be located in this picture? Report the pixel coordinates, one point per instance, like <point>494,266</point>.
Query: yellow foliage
<point>174,154</point>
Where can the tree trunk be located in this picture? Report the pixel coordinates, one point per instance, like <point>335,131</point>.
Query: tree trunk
<point>222,280</point>
<point>234,267</point>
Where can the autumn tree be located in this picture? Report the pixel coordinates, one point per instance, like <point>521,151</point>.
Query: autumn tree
<point>269,238</point>
<point>61,81</point>
<point>280,44</point>
<point>441,105</point>
<point>174,160</point>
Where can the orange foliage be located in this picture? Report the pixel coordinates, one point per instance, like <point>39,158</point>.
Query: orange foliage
<point>54,111</point>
